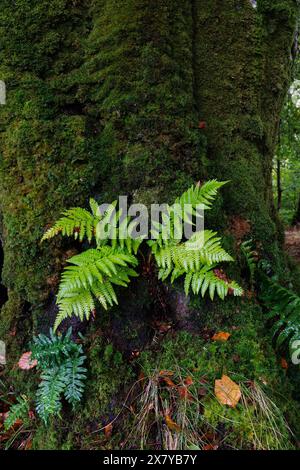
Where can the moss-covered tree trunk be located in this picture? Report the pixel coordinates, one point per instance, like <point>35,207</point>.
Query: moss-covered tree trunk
<point>136,97</point>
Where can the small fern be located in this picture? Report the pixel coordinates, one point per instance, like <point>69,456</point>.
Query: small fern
<point>60,361</point>
<point>18,411</point>
<point>92,275</point>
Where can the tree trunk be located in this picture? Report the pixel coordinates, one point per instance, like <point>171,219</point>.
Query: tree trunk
<point>296,219</point>
<point>135,97</point>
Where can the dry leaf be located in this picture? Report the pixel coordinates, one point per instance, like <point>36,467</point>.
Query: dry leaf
<point>168,373</point>
<point>188,381</point>
<point>169,382</point>
<point>221,336</point>
<point>25,361</point>
<point>108,430</point>
<point>210,447</point>
<point>184,393</point>
<point>227,391</point>
<point>171,424</point>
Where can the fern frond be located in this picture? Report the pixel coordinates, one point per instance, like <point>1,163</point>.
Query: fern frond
<point>204,248</point>
<point>50,350</point>
<point>201,195</point>
<point>91,275</point>
<point>49,393</point>
<point>61,361</point>
<point>74,379</point>
<point>76,222</point>
<point>284,306</point>
<point>206,280</point>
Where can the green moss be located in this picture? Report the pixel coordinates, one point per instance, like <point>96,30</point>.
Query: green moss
<point>242,122</point>
<point>246,356</point>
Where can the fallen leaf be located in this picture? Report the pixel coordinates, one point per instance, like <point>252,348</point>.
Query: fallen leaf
<point>284,363</point>
<point>168,373</point>
<point>184,393</point>
<point>25,361</point>
<point>171,424</point>
<point>221,336</point>
<point>108,430</point>
<point>169,382</point>
<point>227,391</point>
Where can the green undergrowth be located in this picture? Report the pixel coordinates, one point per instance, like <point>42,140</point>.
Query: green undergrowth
<point>109,375</point>
<point>247,358</point>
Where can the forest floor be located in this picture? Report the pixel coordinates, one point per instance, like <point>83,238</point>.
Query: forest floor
<point>292,242</point>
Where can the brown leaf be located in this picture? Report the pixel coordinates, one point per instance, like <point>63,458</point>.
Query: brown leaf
<point>171,424</point>
<point>188,381</point>
<point>221,336</point>
<point>227,391</point>
<point>25,361</point>
<point>169,382</point>
<point>284,363</point>
<point>184,393</point>
<point>108,430</point>
<point>210,447</point>
<point>167,373</point>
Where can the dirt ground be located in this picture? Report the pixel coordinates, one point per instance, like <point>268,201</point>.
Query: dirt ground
<point>292,242</point>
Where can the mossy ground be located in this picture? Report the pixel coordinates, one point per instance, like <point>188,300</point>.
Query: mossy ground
<point>247,357</point>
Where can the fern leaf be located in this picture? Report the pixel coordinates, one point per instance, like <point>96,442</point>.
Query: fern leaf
<point>18,411</point>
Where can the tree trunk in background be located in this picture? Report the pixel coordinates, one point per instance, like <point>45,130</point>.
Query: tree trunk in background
<point>135,97</point>
<point>296,219</point>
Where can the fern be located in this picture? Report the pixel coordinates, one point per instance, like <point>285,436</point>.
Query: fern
<point>49,393</point>
<point>91,276</point>
<point>18,411</point>
<point>249,255</point>
<point>196,258</point>
<point>74,380</point>
<point>284,309</point>
<point>60,361</point>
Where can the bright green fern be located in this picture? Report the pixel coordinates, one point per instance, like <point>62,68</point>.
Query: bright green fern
<point>92,275</point>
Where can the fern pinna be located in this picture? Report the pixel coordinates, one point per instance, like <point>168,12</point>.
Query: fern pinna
<point>284,308</point>
<point>93,274</point>
<point>60,361</point>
